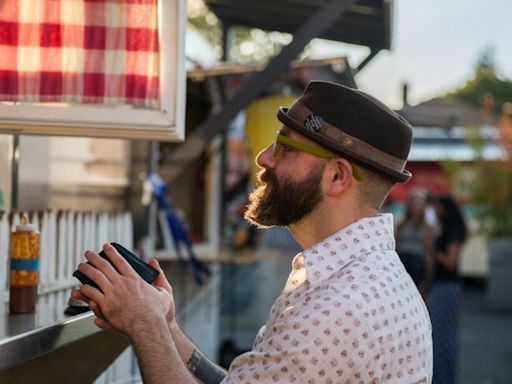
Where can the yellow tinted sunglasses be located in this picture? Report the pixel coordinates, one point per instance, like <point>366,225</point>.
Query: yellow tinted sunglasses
<point>286,141</point>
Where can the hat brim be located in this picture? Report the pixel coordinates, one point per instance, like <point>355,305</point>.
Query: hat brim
<point>396,176</point>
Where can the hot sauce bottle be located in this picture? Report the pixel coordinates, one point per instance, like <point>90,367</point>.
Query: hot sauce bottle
<point>24,276</point>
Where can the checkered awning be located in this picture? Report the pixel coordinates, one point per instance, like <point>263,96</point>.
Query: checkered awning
<point>80,51</point>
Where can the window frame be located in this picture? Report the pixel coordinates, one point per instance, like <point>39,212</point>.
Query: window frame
<point>125,121</point>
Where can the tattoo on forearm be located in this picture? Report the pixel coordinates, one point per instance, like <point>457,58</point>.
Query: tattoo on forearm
<point>204,369</point>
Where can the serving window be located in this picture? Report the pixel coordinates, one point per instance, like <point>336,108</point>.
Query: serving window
<point>112,68</point>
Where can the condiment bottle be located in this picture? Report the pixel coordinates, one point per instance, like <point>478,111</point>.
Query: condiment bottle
<point>24,276</point>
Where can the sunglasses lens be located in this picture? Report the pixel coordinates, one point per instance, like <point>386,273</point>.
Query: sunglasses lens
<point>275,149</point>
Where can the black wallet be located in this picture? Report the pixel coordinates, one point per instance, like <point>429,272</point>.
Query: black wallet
<point>146,271</point>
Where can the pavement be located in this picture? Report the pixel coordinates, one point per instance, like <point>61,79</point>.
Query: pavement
<point>486,341</point>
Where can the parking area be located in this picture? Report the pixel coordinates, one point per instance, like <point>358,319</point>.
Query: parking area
<point>486,341</point>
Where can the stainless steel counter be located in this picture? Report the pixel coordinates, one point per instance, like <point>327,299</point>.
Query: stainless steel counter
<point>25,337</point>
<point>48,347</point>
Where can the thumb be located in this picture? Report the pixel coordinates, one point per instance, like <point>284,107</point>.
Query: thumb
<point>161,280</point>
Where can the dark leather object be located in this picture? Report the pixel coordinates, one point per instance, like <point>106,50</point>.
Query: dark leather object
<point>147,272</point>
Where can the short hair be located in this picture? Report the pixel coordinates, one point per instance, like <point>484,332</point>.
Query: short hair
<point>373,189</point>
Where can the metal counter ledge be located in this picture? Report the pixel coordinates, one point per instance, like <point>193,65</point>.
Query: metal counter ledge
<point>50,347</point>
<point>27,336</point>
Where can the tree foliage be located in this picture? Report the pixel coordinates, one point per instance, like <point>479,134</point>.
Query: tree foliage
<point>246,45</point>
<point>487,184</point>
<point>486,86</point>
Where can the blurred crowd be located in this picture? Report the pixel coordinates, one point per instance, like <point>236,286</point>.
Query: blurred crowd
<point>429,241</point>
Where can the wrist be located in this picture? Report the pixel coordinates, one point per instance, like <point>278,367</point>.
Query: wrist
<point>143,326</point>
<point>176,332</point>
<point>173,326</point>
<point>183,344</point>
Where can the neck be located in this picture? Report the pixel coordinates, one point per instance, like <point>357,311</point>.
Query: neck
<point>325,221</point>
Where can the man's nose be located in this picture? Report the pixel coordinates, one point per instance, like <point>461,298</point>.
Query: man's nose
<point>265,158</point>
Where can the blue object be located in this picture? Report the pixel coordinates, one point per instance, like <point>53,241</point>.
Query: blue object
<point>24,264</point>
<point>178,230</point>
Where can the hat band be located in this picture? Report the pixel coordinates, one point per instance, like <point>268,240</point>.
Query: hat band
<point>350,145</point>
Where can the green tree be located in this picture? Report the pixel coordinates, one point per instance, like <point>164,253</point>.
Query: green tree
<point>486,83</point>
<point>487,184</point>
<point>248,45</point>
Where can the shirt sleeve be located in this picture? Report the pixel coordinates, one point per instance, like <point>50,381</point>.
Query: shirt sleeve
<point>320,339</point>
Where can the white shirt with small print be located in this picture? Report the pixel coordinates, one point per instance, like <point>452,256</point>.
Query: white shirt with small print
<point>349,313</point>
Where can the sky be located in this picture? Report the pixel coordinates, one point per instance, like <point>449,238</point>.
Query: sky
<point>435,45</point>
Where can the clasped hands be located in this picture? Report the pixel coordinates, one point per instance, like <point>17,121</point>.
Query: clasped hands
<point>125,301</point>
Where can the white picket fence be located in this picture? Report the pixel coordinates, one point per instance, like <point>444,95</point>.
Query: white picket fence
<point>64,238</point>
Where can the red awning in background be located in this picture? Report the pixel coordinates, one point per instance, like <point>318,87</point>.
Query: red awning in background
<point>427,175</point>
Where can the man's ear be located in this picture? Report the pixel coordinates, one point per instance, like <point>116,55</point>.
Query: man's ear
<point>338,177</point>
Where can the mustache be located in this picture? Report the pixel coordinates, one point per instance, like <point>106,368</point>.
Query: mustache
<point>266,176</point>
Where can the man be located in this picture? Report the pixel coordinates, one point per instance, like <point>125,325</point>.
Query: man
<point>349,312</point>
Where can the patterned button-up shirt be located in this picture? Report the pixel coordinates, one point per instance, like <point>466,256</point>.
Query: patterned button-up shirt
<point>349,313</point>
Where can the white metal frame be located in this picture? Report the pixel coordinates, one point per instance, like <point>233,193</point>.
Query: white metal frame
<point>167,124</point>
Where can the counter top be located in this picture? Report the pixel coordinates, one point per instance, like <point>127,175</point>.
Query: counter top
<point>27,336</point>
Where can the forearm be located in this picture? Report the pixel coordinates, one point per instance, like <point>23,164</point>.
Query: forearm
<point>199,365</point>
<point>184,345</point>
<point>157,354</point>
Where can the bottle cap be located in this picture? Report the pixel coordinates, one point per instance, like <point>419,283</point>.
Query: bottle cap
<point>25,225</point>
<point>26,228</point>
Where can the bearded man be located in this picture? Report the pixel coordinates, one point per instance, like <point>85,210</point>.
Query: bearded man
<point>349,312</point>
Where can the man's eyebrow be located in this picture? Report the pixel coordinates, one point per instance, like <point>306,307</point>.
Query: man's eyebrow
<point>285,131</point>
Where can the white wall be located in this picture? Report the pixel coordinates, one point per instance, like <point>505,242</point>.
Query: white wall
<point>72,173</point>
<point>73,161</point>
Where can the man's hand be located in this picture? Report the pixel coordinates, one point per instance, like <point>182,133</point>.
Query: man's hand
<point>161,282</point>
<point>127,301</point>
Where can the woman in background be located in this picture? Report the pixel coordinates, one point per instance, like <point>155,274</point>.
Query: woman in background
<point>446,290</point>
<point>414,240</point>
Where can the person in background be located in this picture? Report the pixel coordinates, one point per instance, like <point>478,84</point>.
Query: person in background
<point>446,290</point>
<point>430,212</point>
<point>414,241</point>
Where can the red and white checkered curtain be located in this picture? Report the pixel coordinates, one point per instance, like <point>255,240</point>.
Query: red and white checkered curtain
<point>80,51</point>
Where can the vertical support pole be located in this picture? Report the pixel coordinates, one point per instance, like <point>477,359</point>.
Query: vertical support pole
<point>15,159</point>
<point>152,211</point>
<point>218,102</point>
<point>230,277</point>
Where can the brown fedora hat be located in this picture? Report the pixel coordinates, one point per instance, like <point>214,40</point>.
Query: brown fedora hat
<point>354,125</point>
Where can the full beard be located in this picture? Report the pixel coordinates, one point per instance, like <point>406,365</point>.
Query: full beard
<point>285,202</point>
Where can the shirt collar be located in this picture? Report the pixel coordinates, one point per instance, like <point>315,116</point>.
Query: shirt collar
<point>360,238</point>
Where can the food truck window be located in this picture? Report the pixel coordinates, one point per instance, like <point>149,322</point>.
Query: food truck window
<point>88,68</point>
